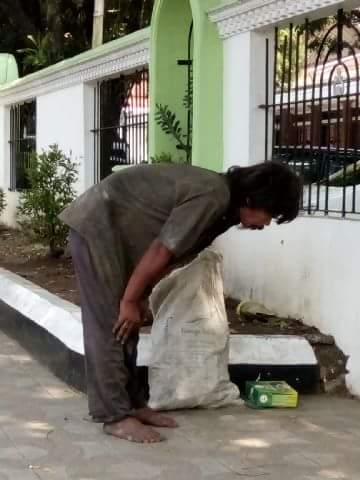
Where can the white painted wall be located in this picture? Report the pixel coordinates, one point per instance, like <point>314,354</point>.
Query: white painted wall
<point>61,119</point>
<point>244,91</point>
<point>65,117</point>
<point>308,269</point>
<point>9,215</point>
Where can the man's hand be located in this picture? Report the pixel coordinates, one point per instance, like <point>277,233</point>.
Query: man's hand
<point>154,262</point>
<point>130,320</point>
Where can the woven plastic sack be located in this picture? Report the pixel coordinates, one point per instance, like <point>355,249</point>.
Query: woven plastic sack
<point>190,338</point>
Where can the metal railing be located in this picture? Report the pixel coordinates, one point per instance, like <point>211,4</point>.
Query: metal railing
<point>121,118</point>
<point>315,110</point>
<point>22,143</point>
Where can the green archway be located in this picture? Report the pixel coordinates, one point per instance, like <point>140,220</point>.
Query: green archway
<point>168,81</point>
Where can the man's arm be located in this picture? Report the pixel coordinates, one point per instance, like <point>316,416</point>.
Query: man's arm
<point>151,267</point>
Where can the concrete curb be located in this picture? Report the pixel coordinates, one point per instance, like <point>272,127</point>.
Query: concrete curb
<point>51,328</point>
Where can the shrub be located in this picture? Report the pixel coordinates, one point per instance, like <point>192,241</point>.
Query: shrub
<point>51,177</point>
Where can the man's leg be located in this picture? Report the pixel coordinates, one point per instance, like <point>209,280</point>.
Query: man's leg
<point>137,395</point>
<point>108,375</point>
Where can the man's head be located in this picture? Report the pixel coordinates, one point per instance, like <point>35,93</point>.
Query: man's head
<point>264,192</point>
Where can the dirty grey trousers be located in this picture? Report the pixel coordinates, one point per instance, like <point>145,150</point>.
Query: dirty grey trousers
<point>113,386</point>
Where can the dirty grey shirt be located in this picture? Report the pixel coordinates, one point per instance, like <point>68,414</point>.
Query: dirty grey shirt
<point>177,204</point>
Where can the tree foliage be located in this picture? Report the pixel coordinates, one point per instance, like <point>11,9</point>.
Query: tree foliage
<point>125,16</point>
<point>40,33</point>
<point>322,44</point>
<point>291,47</point>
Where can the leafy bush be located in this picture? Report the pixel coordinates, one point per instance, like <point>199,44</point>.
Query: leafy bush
<point>2,201</point>
<point>51,176</point>
<point>39,55</point>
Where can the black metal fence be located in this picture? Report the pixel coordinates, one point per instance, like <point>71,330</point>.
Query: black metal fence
<point>121,122</point>
<point>22,142</point>
<point>314,112</point>
<point>188,99</point>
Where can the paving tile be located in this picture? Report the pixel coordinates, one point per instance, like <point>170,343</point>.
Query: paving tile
<point>45,435</point>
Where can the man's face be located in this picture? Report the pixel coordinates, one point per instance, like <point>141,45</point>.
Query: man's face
<point>254,218</point>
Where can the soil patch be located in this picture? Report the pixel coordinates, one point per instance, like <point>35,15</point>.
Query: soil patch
<point>32,262</point>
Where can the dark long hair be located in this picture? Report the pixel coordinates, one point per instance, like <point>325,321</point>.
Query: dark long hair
<point>268,186</point>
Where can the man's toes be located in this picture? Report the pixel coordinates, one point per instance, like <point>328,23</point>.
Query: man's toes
<point>151,440</point>
<point>170,422</point>
<point>164,421</point>
<point>155,438</point>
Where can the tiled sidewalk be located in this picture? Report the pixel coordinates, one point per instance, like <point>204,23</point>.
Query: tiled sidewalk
<point>45,434</point>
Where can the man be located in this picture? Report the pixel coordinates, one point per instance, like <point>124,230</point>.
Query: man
<point>125,234</point>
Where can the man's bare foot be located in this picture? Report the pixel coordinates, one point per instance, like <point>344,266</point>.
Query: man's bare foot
<point>132,430</point>
<point>148,416</point>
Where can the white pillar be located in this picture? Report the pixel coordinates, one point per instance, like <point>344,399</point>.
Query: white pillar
<point>89,125</point>
<point>9,215</point>
<point>4,149</point>
<point>244,91</point>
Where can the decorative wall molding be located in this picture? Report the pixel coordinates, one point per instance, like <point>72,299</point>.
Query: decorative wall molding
<point>118,61</point>
<point>246,15</point>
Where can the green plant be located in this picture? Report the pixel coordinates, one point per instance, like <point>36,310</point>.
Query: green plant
<point>40,54</point>
<point>2,201</point>
<point>351,176</point>
<point>170,125</point>
<point>165,158</point>
<point>51,176</point>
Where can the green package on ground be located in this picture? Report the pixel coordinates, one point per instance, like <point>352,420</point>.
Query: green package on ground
<point>266,394</point>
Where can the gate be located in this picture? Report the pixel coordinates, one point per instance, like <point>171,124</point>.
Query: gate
<point>121,122</point>
<point>315,109</point>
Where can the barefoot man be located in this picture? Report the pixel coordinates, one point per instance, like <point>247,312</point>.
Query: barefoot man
<point>125,234</point>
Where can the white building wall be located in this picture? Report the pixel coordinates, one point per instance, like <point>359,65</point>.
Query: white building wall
<point>64,117</point>
<point>61,119</point>
<point>307,269</point>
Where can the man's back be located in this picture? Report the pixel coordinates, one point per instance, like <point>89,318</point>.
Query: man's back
<point>134,205</point>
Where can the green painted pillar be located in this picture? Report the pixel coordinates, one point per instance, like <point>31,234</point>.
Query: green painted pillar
<point>168,81</point>
<point>8,68</point>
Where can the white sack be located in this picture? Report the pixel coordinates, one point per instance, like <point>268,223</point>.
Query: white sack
<point>190,338</point>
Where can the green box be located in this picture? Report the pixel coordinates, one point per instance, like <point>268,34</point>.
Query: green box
<point>267,394</point>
